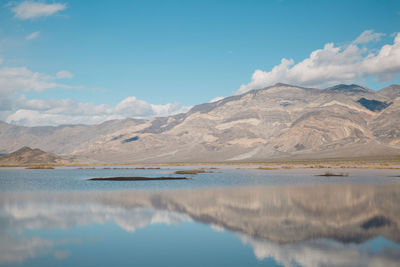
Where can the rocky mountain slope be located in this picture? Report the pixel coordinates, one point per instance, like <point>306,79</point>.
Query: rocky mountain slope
<point>27,155</point>
<point>62,139</point>
<point>281,121</point>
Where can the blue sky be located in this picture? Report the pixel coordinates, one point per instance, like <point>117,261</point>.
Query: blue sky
<point>151,53</point>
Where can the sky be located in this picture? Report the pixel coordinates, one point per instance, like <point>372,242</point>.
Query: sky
<point>69,62</point>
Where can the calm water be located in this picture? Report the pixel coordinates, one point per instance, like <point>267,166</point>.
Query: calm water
<point>227,218</point>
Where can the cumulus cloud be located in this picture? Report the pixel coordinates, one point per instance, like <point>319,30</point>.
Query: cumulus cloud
<point>132,107</point>
<point>32,36</point>
<point>386,64</point>
<point>66,111</point>
<point>334,64</point>
<point>23,79</point>
<point>64,74</point>
<point>32,10</point>
<point>57,111</point>
<point>36,118</point>
<point>16,108</point>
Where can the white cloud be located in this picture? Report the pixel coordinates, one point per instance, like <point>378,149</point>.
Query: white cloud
<point>16,108</point>
<point>63,106</point>
<point>368,36</point>
<point>169,109</point>
<point>32,10</point>
<point>386,64</point>
<point>23,80</point>
<point>43,118</point>
<point>333,64</point>
<point>132,107</point>
<point>32,36</point>
<point>64,74</point>
<point>66,111</point>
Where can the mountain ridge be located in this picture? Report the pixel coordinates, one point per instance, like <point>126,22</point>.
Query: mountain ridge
<point>280,121</point>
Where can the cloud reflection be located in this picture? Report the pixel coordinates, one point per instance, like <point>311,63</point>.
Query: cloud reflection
<point>321,253</point>
<point>18,249</point>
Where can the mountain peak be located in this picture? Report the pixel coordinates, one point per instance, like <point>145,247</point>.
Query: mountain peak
<point>23,149</point>
<point>348,88</point>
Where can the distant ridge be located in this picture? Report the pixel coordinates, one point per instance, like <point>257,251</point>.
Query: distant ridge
<point>391,91</point>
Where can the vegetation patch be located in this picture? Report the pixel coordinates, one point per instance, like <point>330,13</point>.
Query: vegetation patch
<point>190,171</point>
<point>328,173</point>
<point>288,167</point>
<point>36,167</point>
<point>268,168</point>
<point>136,178</point>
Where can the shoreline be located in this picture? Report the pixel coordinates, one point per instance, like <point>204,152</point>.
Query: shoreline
<point>334,163</point>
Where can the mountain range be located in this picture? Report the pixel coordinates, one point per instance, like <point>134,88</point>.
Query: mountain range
<point>278,122</point>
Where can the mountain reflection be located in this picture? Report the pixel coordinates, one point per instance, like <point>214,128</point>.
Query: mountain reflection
<point>308,225</point>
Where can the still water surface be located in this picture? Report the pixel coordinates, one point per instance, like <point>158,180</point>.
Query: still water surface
<point>227,218</point>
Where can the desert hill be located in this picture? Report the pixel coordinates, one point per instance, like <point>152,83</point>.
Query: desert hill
<point>27,156</point>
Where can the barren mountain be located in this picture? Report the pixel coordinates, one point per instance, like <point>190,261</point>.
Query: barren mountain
<point>392,91</point>
<point>27,155</point>
<point>281,121</point>
<point>62,139</point>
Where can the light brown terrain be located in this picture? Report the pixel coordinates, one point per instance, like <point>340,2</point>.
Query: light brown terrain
<point>274,123</point>
<point>33,157</point>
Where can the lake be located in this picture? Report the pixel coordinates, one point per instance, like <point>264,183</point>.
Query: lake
<point>228,217</point>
